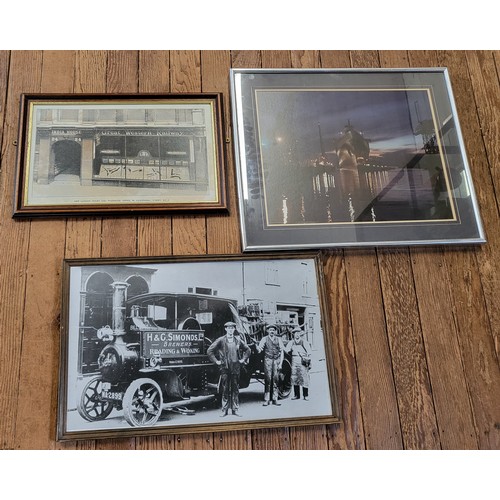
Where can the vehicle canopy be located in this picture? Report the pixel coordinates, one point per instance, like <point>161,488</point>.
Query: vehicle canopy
<point>184,311</point>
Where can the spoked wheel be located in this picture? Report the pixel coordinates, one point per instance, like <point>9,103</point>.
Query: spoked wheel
<point>91,405</point>
<point>142,402</point>
<point>285,380</point>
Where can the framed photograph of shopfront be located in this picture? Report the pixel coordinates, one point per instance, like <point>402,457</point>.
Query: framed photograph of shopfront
<point>350,157</point>
<point>114,154</point>
<point>194,344</point>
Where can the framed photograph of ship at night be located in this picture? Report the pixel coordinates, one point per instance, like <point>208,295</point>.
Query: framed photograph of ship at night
<point>350,157</point>
<point>115,154</point>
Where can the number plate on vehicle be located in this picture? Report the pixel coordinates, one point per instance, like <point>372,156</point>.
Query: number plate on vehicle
<point>112,395</point>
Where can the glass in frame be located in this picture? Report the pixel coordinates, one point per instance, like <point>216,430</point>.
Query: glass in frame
<point>350,157</point>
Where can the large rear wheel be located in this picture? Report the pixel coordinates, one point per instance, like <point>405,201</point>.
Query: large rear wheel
<point>142,403</point>
<point>285,380</point>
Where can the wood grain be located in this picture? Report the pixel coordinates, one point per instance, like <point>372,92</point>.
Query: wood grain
<point>189,235</point>
<point>375,372</point>
<point>189,232</point>
<point>415,403</point>
<point>222,230</point>
<point>154,234</point>
<point>484,163</point>
<point>119,236</point>
<point>273,437</point>
<point>467,278</point>
<point>24,76</point>
<point>38,369</point>
<point>349,434</point>
<point>4,76</point>
<point>415,331</point>
<point>84,235</point>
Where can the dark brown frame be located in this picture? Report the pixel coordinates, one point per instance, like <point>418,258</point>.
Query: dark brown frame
<point>22,206</point>
<point>328,342</point>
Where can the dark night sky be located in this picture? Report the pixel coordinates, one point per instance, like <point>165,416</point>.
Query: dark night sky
<point>386,118</point>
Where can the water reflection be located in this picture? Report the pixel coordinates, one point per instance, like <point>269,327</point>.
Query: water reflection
<point>367,194</point>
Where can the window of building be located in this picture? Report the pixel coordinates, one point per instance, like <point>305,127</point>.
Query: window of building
<point>272,275</point>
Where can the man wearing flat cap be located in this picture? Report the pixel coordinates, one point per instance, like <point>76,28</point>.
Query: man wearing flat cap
<point>274,353</point>
<point>229,353</point>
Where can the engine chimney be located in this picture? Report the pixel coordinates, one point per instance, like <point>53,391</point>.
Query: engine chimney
<point>119,309</point>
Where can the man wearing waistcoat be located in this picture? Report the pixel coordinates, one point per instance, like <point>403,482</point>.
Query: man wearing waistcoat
<point>229,353</point>
<point>274,352</point>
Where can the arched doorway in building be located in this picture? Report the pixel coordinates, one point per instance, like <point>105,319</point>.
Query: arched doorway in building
<point>138,286</point>
<point>99,301</point>
<point>66,160</point>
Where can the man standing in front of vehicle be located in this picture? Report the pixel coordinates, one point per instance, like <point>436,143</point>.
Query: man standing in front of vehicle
<point>274,352</point>
<point>229,353</point>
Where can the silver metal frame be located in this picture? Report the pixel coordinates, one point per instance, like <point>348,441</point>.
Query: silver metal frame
<point>239,145</point>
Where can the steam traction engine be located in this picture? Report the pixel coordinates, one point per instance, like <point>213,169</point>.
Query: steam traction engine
<point>155,354</point>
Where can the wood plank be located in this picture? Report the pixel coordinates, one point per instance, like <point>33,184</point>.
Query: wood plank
<point>484,79</point>
<point>364,59</point>
<point>233,440</point>
<point>119,235</point>
<point>349,434</point>
<point>376,383</point>
<point>335,59</point>
<point>90,71</point>
<point>413,389</point>
<point>246,59</point>
<point>305,59</point>
<point>376,380</point>
<point>189,234</point>
<point>223,234</point>
<point>154,75</point>
<point>307,437</point>
<point>411,377</point>
<point>24,75</point>
<point>482,372</point>
<point>273,438</point>
<point>4,77</point>
<point>38,376</point>
<point>276,59</point>
<point>222,229</point>
<point>474,327</point>
<point>496,57</point>
<point>394,58</point>
<point>155,443</point>
<point>449,389</point>
<point>83,235</point>
<point>154,233</point>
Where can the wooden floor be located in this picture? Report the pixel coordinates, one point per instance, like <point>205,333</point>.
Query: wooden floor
<point>417,330</point>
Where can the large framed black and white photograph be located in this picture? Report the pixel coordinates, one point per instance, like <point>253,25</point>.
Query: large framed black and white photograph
<point>190,344</point>
<point>350,157</point>
<point>113,154</point>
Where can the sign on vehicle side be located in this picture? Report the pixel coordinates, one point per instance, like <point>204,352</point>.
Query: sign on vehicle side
<point>173,343</point>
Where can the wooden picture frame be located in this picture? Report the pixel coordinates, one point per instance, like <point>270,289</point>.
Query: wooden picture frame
<point>142,348</point>
<point>99,154</point>
<point>350,157</point>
